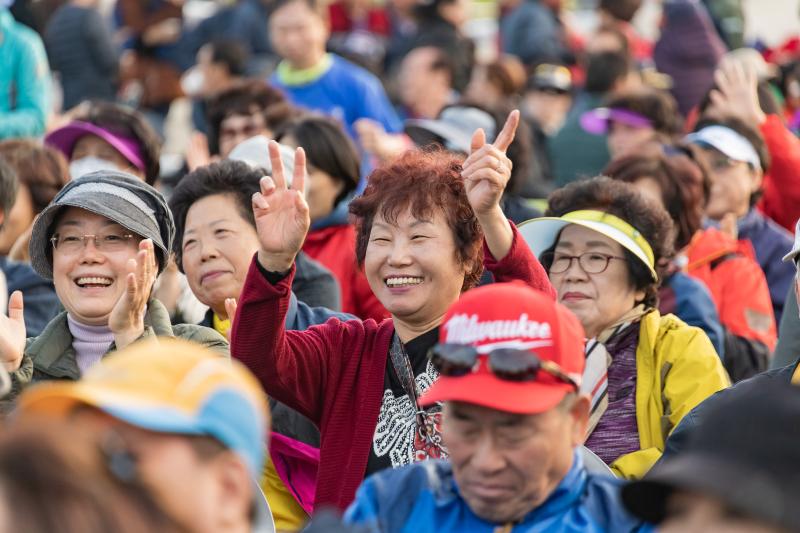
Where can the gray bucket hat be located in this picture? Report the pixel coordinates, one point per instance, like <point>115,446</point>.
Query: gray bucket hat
<point>118,196</point>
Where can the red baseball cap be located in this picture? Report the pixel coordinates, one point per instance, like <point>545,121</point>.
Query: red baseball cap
<point>511,315</point>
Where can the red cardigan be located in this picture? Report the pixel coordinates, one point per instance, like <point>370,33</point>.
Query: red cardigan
<point>333,373</point>
<point>335,247</point>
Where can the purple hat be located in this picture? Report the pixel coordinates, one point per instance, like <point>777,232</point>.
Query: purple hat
<point>64,139</point>
<point>596,121</point>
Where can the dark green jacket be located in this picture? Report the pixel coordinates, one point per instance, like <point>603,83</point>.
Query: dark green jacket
<point>51,355</point>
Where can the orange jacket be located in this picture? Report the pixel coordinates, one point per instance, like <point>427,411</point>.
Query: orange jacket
<point>737,284</point>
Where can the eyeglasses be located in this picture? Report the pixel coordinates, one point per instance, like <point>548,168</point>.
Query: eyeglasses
<point>70,244</point>
<point>721,163</point>
<point>509,364</point>
<point>590,262</point>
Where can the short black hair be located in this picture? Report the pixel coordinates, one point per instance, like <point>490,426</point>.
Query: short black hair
<point>230,53</point>
<point>327,148</point>
<point>128,122</point>
<point>314,5</point>
<point>624,201</point>
<point>659,107</point>
<point>623,10</point>
<point>9,185</point>
<point>604,69</point>
<point>246,98</point>
<point>234,178</point>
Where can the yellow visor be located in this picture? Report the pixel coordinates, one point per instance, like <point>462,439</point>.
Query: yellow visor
<point>541,233</point>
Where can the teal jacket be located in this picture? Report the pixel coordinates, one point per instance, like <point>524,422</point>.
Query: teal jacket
<point>24,80</point>
<point>51,355</point>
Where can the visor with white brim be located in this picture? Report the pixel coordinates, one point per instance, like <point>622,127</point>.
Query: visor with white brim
<point>727,141</point>
<point>541,233</point>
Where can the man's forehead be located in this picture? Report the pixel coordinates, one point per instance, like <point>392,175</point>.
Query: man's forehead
<point>487,415</point>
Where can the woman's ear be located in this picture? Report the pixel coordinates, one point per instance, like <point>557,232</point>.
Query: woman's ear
<point>756,180</point>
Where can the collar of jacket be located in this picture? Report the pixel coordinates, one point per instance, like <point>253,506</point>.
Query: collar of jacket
<point>52,351</point>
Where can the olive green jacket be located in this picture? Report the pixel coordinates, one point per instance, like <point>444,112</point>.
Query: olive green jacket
<point>51,355</point>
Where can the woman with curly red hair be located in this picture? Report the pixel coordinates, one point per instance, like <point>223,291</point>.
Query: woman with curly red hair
<point>426,226</point>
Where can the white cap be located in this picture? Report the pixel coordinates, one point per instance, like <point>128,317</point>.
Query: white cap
<point>255,152</point>
<point>727,141</point>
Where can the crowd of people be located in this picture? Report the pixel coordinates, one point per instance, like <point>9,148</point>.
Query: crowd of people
<point>292,265</point>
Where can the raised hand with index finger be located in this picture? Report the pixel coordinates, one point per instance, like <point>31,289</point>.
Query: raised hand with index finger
<point>486,172</point>
<point>281,213</point>
<point>487,169</point>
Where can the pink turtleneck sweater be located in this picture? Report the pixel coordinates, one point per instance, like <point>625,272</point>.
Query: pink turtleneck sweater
<point>90,342</point>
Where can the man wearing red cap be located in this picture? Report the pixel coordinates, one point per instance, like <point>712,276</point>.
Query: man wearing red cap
<point>510,361</point>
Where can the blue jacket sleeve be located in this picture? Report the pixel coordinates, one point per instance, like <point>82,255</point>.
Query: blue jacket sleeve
<point>30,78</point>
<point>375,105</point>
<point>39,296</point>
<point>695,307</point>
<point>300,316</point>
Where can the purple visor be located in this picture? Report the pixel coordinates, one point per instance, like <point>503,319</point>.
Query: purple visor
<point>64,139</point>
<point>597,121</point>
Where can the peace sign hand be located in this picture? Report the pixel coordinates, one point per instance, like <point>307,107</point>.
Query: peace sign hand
<point>487,169</point>
<point>281,214</point>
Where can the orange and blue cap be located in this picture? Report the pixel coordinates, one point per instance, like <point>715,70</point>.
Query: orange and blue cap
<point>168,386</point>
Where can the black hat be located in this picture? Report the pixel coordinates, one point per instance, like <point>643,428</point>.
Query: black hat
<point>547,77</point>
<point>746,454</point>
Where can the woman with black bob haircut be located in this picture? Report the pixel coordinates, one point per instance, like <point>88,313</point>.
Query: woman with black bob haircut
<point>601,243</point>
<point>333,175</point>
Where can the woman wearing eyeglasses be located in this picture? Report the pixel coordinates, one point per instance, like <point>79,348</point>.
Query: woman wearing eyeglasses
<point>102,240</point>
<point>601,243</point>
<point>426,225</point>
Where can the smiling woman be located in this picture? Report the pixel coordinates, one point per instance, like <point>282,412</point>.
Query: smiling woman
<point>426,225</point>
<point>102,240</point>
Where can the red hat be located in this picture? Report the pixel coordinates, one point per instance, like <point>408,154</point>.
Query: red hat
<point>511,315</point>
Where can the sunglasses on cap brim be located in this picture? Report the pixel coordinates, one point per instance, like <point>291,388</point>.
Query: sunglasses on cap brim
<point>508,364</point>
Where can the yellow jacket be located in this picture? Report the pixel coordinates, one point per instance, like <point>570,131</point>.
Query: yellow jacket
<point>676,369</point>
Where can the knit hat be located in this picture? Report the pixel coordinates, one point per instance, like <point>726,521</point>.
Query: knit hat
<point>120,197</point>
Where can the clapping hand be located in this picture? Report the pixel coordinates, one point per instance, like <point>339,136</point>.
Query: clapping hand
<point>12,333</point>
<point>127,317</point>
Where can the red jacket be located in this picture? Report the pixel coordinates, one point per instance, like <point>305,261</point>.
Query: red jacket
<point>781,200</point>
<point>333,373</point>
<point>737,284</point>
<point>376,20</point>
<point>335,248</point>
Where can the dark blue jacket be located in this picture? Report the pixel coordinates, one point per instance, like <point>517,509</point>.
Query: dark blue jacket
<point>299,316</point>
<point>39,295</point>
<point>424,497</point>
<point>680,436</point>
<point>770,242</point>
<point>692,303</point>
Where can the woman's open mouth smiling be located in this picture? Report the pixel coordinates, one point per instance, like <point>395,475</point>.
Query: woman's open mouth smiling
<point>398,282</point>
<point>91,282</point>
